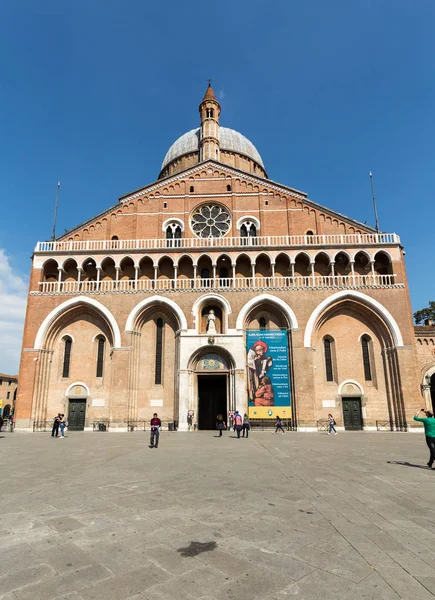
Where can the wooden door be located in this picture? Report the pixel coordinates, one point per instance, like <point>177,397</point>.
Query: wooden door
<point>352,413</point>
<point>76,415</point>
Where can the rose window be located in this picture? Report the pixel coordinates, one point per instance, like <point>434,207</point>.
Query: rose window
<point>210,220</point>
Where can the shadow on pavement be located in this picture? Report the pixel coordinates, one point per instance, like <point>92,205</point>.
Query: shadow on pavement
<point>407,464</point>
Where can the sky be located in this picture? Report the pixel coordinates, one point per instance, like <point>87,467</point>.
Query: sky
<point>93,93</point>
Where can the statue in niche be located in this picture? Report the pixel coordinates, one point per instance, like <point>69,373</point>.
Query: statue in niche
<point>211,323</point>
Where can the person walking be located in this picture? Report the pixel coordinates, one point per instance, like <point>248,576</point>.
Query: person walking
<point>238,423</point>
<point>429,430</point>
<point>332,424</point>
<point>55,428</point>
<point>155,431</point>
<point>220,424</point>
<point>278,424</point>
<point>63,423</point>
<point>246,425</point>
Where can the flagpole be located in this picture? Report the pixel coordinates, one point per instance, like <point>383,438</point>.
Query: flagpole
<point>374,202</point>
<point>53,234</point>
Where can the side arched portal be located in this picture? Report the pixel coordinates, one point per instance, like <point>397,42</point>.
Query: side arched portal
<point>356,365</point>
<point>74,343</point>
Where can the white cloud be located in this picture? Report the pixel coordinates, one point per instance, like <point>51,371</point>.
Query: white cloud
<point>13,297</point>
<point>221,94</point>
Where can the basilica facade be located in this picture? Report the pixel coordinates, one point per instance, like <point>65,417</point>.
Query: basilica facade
<point>215,289</point>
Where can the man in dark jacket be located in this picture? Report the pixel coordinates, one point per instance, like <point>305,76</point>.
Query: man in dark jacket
<point>155,431</point>
<point>55,429</point>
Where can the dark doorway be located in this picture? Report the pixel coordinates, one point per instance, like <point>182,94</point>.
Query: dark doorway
<point>212,399</point>
<point>352,414</point>
<point>76,415</point>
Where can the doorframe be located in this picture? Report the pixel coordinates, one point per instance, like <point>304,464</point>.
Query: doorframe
<point>353,398</point>
<point>223,373</point>
<point>85,402</point>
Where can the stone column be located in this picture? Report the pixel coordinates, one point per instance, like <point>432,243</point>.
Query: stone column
<point>175,276</point>
<point>98,278</point>
<point>372,267</point>
<point>136,276</point>
<point>79,276</point>
<point>117,270</point>
<point>184,396</point>
<point>352,271</point>
<point>59,278</point>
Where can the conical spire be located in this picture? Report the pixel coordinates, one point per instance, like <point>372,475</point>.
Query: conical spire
<point>209,94</point>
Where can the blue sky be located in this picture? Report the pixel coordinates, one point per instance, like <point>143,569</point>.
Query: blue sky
<point>93,94</point>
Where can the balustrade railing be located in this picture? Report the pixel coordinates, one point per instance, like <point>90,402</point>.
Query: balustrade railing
<point>285,241</point>
<point>227,283</point>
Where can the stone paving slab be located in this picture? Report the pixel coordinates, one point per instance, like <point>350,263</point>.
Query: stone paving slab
<point>271,518</point>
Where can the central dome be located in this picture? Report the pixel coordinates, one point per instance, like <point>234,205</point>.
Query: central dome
<point>210,141</point>
<point>229,140</point>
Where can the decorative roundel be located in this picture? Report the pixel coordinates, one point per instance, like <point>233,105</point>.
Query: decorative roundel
<point>210,221</point>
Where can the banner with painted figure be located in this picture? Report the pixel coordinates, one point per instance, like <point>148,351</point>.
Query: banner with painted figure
<point>267,361</point>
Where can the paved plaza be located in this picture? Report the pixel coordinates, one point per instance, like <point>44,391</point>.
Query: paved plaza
<point>100,516</point>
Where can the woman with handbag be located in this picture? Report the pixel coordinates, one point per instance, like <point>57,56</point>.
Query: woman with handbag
<point>220,424</point>
<point>332,424</point>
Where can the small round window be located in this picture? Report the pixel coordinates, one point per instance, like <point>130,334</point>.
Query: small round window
<point>210,220</point>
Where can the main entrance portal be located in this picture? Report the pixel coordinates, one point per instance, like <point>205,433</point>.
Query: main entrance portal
<point>212,399</point>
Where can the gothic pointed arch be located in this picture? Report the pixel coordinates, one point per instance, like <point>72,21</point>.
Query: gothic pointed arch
<point>358,297</point>
<point>264,299</point>
<point>158,301</point>
<point>90,304</point>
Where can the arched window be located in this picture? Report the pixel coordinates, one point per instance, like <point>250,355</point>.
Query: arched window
<point>159,351</point>
<point>192,189</point>
<point>173,231</point>
<point>66,357</point>
<point>114,238</point>
<point>248,229</point>
<point>365,346</point>
<point>228,188</point>
<point>100,356</point>
<point>205,274</point>
<point>329,367</point>
<point>262,323</point>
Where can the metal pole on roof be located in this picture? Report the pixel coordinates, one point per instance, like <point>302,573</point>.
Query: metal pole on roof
<point>53,234</point>
<point>374,202</point>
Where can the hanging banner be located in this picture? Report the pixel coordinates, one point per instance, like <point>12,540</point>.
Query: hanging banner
<point>267,362</point>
